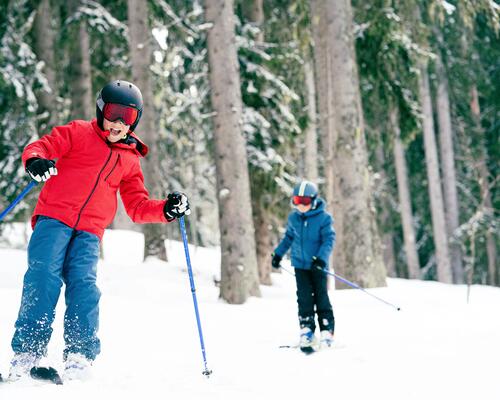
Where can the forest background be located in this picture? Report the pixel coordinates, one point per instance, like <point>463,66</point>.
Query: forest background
<point>391,106</point>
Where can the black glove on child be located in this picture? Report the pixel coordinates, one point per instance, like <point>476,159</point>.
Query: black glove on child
<point>40,169</point>
<point>276,261</point>
<point>318,263</point>
<point>177,205</point>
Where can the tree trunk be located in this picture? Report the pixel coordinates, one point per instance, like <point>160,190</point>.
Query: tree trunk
<point>263,244</point>
<point>444,273</point>
<point>122,220</point>
<point>412,260</point>
<point>493,272</point>
<point>448,168</point>
<point>82,96</point>
<point>388,235</point>
<point>44,47</point>
<point>141,56</point>
<point>326,123</point>
<point>323,80</point>
<point>253,11</point>
<point>239,276</point>
<point>262,235</point>
<point>194,217</point>
<point>311,137</point>
<point>359,241</point>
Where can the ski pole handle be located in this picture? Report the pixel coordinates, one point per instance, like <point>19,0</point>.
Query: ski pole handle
<point>26,190</point>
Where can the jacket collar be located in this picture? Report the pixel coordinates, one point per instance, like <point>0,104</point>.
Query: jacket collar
<point>132,142</point>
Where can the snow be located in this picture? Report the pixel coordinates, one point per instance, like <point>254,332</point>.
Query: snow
<point>161,35</point>
<point>449,8</point>
<point>224,192</point>
<point>436,347</point>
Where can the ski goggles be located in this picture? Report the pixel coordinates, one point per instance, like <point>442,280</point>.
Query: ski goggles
<point>305,200</point>
<point>113,112</point>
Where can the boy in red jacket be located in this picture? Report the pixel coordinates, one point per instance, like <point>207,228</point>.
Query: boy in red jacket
<point>95,160</point>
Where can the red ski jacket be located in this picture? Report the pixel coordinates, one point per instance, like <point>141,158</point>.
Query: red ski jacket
<point>91,170</point>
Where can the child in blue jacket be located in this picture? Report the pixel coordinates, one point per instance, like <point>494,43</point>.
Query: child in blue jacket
<point>311,236</point>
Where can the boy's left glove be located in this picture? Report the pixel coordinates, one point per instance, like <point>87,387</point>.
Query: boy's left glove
<point>276,261</point>
<point>318,263</point>
<point>177,205</point>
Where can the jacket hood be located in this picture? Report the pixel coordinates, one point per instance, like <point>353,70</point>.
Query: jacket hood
<point>131,142</point>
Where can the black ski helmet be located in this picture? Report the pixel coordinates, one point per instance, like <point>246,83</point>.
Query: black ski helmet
<point>119,92</point>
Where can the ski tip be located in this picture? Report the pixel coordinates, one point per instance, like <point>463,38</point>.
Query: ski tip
<point>307,350</point>
<point>46,374</point>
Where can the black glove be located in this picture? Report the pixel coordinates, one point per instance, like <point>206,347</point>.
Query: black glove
<point>276,261</point>
<point>40,169</point>
<point>318,263</point>
<point>176,206</point>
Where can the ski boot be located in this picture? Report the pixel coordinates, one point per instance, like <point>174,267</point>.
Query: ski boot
<point>76,367</point>
<point>307,340</point>
<point>326,339</point>
<point>21,365</point>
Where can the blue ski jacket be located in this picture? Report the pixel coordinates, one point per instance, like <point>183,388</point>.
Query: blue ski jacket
<point>309,234</point>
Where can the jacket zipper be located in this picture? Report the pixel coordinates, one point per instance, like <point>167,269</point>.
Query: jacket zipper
<point>302,240</point>
<point>112,169</point>
<point>93,189</point>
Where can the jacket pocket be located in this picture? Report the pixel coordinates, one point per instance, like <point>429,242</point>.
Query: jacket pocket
<point>114,176</point>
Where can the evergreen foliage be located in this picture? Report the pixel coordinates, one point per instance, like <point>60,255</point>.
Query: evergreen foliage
<point>389,43</point>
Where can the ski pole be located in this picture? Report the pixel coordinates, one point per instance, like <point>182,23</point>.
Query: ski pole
<point>26,190</point>
<point>206,372</point>
<point>351,284</point>
<point>357,287</point>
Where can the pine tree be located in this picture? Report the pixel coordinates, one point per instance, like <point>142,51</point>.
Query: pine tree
<point>359,240</point>
<point>239,277</point>
<point>141,58</point>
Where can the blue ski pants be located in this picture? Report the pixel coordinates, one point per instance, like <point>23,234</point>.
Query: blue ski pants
<point>58,253</point>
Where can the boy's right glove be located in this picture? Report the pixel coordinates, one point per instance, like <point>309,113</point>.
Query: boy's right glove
<point>177,205</point>
<point>40,169</point>
<point>319,263</point>
<point>276,261</point>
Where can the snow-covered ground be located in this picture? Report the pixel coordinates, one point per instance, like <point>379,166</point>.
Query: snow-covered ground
<point>436,347</point>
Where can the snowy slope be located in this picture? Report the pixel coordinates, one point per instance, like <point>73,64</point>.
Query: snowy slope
<point>436,347</point>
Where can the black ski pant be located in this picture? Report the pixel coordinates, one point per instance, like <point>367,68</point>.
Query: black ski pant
<point>312,296</point>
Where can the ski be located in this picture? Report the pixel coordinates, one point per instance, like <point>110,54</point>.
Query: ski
<point>315,348</point>
<point>306,350</point>
<point>289,346</point>
<point>47,374</point>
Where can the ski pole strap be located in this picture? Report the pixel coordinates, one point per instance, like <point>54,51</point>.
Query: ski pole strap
<point>352,284</point>
<point>26,190</point>
<point>206,372</point>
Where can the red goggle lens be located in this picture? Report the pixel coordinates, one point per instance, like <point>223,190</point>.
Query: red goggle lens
<point>305,200</point>
<point>113,112</point>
